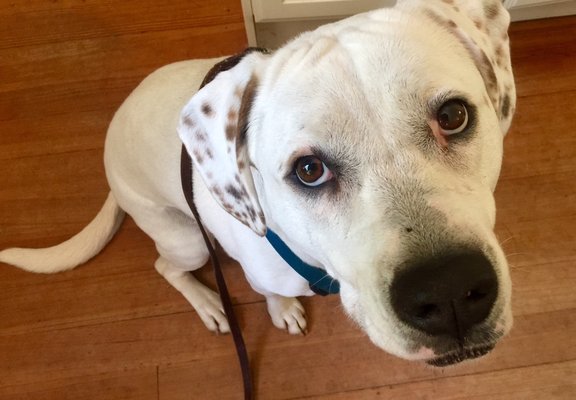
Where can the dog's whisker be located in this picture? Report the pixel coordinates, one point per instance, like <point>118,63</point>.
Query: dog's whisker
<point>503,242</point>
<point>520,253</point>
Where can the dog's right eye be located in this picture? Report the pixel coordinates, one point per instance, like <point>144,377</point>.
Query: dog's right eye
<point>311,171</point>
<point>452,117</point>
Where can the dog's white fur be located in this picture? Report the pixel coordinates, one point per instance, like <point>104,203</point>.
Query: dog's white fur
<point>361,89</point>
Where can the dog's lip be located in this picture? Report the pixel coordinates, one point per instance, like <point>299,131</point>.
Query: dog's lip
<point>466,353</point>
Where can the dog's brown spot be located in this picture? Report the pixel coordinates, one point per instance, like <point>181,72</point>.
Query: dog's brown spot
<point>487,70</point>
<point>209,153</point>
<point>241,165</point>
<point>232,116</point>
<point>238,92</point>
<point>244,112</point>
<point>227,206</point>
<point>491,11</point>
<point>479,24</point>
<point>197,156</point>
<point>440,20</point>
<point>231,132</point>
<point>251,212</point>
<point>207,110</point>
<point>200,136</point>
<point>500,56</point>
<point>234,192</point>
<point>188,121</point>
<point>505,107</point>
<point>217,191</point>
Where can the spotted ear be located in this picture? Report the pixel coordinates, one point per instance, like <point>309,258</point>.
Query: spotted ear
<point>481,26</point>
<point>213,129</point>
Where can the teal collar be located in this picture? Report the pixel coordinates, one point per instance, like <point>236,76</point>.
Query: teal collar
<point>320,282</point>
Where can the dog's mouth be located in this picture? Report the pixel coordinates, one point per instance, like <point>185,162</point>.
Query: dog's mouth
<point>460,355</point>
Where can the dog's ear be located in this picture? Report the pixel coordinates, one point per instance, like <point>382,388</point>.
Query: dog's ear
<point>481,26</point>
<point>213,127</point>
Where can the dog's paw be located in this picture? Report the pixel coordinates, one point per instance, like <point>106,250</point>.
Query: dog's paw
<point>287,313</point>
<point>209,308</point>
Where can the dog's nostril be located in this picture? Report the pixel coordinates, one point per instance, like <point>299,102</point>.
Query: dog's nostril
<point>475,295</point>
<point>427,311</point>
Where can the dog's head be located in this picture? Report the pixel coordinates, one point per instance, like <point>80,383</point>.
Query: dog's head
<point>372,146</point>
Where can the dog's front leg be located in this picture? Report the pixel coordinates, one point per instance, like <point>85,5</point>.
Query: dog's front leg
<point>287,313</point>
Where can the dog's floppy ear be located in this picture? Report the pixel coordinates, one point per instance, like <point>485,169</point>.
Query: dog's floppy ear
<point>213,128</point>
<point>481,26</point>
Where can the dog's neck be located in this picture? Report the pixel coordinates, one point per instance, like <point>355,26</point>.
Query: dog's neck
<point>320,282</point>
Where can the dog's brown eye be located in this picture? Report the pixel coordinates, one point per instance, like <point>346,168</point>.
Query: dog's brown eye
<point>452,117</point>
<point>311,171</point>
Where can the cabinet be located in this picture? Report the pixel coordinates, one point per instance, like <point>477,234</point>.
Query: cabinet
<point>277,20</point>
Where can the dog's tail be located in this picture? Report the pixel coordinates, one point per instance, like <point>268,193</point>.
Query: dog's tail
<point>74,251</point>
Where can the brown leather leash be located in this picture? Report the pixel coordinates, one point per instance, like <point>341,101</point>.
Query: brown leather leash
<point>186,175</point>
<point>187,187</point>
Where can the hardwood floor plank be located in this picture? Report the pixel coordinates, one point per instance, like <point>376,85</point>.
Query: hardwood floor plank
<point>32,137</point>
<point>543,288</point>
<point>539,242</point>
<point>41,22</point>
<point>536,193</point>
<point>542,382</point>
<point>138,384</point>
<point>539,143</point>
<point>87,86</point>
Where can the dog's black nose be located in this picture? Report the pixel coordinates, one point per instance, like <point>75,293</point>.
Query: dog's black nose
<point>447,295</point>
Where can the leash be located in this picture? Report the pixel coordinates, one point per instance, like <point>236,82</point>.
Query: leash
<point>187,187</point>
<point>186,175</point>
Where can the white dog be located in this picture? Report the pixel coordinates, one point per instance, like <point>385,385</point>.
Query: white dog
<point>371,146</point>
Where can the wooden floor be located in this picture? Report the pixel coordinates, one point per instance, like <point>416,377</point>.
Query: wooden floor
<point>113,329</point>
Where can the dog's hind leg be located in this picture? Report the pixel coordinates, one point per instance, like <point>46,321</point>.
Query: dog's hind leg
<point>182,250</point>
<point>204,300</point>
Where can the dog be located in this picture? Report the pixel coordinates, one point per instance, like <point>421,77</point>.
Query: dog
<point>370,146</point>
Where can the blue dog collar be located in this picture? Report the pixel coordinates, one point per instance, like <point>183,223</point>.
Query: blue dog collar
<point>320,282</point>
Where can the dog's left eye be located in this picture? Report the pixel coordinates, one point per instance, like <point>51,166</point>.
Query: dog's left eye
<point>452,117</point>
<point>311,171</point>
